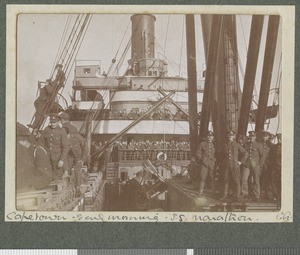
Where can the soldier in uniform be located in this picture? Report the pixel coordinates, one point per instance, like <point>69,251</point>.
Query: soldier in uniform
<point>234,156</point>
<point>276,163</point>
<point>60,76</point>
<point>254,163</point>
<point>40,103</point>
<point>66,123</point>
<point>78,154</point>
<point>245,172</point>
<point>55,140</point>
<point>45,94</point>
<point>265,167</point>
<point>33,165</point>
<point>206,159</point>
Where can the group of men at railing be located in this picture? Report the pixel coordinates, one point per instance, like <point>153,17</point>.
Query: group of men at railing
<point>159,114</point>
<point>153,150</point>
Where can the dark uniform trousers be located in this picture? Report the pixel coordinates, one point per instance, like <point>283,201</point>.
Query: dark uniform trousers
<point>56,142</point>
<point>254,162</point>
<point>232,151</point>
<point>206,158</point>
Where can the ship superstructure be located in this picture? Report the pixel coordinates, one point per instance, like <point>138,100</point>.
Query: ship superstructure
<point>105,105</point>
<point>138,125</point>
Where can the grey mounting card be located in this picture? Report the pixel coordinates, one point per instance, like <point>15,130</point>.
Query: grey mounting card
<point>125,136</point>
<point>128,91</point>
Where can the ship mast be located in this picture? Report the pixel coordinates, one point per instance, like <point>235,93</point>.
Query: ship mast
<point>251,67</point>
<point>192,82</point>
<point>267,71</point>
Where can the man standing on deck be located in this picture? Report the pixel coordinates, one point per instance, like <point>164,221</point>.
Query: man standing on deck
<point>78,154</point>
<point>55,140</point>
<point>265,167</point>
<point>232,151</point>
<point>206,159</point>
<point>255,162</point>
<point>276,165</point>
<point>245,172</point>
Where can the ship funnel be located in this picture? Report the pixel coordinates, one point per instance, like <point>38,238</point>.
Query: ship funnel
<point>142,39</point>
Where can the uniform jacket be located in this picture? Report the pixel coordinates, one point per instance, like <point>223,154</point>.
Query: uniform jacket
<point>78,147</point>
<point>276,156</point>
<point>71,127</point>
<point>56,142</point>
<point>266,160</point>
<point>256,154</point>
<point>232,152</point>
<point>206,154</point>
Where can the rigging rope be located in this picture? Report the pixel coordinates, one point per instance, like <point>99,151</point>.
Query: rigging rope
<point>98,96</point>
<point>166,34</point>
<point>77,48</point>
<point>63,54</point>
<point>61,43</point>
<point>68,43</point>
<point>180,58</point>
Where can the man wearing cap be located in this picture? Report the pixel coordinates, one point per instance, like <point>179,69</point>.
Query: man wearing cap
<point>66,123</point>
<point>234,156</point>
<point>33,165</point>
<point>55,140</point>
<point>242,140</point>
<point>206,159</point>
<point>77,155</point>
<point>265,168</point>
<point>254,164</point>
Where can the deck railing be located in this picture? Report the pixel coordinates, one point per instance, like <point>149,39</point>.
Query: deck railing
<point>153,154</point>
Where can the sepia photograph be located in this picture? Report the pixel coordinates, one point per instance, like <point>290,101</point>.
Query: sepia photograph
<point>154,112</point>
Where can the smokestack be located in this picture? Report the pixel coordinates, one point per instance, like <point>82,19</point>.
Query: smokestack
<point>142,38</point>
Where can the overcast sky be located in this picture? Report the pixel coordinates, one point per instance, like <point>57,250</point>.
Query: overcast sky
<point>39,36</point>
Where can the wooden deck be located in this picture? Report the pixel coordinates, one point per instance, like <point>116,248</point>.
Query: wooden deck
<point>182,197</point>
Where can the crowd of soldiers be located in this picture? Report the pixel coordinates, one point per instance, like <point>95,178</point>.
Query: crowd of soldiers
<point>57,152</point>
<point>153,150</point>
<point>248,166</point>
<point>159,114</point>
